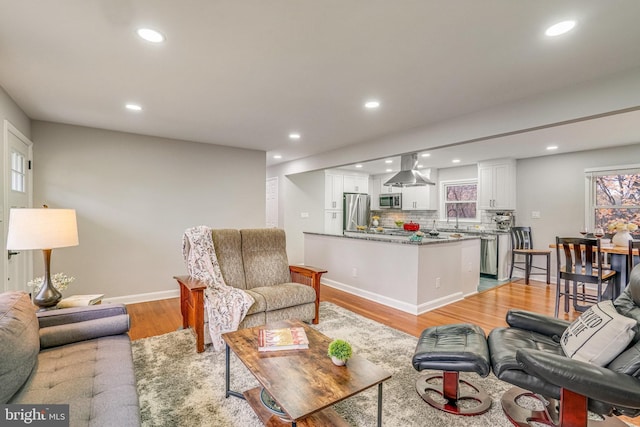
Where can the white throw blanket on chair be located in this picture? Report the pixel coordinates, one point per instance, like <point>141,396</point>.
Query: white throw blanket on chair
<point>226,306</point>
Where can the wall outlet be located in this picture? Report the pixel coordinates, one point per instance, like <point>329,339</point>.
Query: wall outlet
<point>535,214</point>
<point>437,282</point>
<point>354,272</point>
<point>304,214</point>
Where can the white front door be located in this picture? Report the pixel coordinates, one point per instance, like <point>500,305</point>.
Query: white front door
<point>17,194</point>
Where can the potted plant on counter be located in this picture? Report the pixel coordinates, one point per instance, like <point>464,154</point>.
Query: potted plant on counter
<point>340,351</point>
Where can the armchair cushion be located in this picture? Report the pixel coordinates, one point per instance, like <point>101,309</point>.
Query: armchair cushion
<point>535,322</point>
<point>228,246</point>
<point>286,295</point>
<point>19,342</point>
<point>628,362</point>
<point>265,257</point>
<point>598,335</point>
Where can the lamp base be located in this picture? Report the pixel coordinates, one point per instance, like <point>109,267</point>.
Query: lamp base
<point>48,296</point>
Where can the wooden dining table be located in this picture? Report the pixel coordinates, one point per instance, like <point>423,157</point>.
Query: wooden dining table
<point>618,257</point>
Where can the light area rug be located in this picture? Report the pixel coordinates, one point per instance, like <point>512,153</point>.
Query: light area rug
<point>179,387</point>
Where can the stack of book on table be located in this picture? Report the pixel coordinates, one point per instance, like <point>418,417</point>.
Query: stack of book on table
<point>293,338</point>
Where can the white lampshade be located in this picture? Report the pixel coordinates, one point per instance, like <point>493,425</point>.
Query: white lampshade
<point>42,229</point>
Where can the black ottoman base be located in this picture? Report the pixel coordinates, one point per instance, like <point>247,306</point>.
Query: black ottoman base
<point>450,390</point>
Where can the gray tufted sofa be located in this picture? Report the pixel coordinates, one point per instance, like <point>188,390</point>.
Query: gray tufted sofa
<point>78,356</point>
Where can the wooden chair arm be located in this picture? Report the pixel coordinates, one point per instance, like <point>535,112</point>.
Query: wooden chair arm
<point>191,283</point>
<point>192,307</point>
<point>309,276</point>
<point>306,270</point>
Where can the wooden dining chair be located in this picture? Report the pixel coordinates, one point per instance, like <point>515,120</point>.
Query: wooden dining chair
<point>579,262</point>
<point>633,244</point>
<point>522,245</point>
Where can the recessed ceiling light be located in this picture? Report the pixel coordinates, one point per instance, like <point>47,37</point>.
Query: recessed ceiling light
<point>552,147</point>
<point>455,161</point>
<point>277,156</point>
<point>133,107</point>
<point>560,28</point>
<point>389,170</point>
<point>426,155</point>
<point>372,104</point>
<point>294,135</point>
<point>358,165</point>
<point>150,35</point>
<point>388,161</point>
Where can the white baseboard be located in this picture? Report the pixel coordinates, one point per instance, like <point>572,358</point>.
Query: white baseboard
<point>394,303</point>
<point>151,296</point>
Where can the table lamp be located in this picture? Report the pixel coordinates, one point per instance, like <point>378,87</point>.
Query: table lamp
<point>44,229</point>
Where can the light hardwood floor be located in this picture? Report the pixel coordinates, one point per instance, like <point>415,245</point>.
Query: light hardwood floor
<point>486,309</point>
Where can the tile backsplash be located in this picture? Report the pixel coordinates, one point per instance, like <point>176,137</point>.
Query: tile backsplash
<point>388,217</point>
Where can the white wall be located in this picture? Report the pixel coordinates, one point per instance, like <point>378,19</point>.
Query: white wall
<point>555,187</point>
<point>307,189</point>
<point>135,195</point>
<point>9,110</point>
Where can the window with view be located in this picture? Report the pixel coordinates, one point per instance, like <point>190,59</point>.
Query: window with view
<point>615,198</point>
<point>460,199</point>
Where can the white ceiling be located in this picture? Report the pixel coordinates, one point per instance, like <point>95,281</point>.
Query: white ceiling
<point>245,73</point>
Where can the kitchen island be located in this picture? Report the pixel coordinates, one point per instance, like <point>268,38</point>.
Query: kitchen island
<point>414,277</point>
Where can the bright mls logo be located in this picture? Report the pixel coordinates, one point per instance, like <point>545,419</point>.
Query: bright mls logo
<point>35,415</point>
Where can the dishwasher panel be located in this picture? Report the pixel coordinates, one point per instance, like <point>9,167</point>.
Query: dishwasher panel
<point>489,255</point>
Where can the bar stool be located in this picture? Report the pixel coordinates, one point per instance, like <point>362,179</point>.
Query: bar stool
<point>522,244</point>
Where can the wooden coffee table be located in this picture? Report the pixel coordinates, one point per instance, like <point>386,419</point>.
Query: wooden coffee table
<point>304,383</point>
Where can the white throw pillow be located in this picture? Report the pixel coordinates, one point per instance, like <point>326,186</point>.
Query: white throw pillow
<point>598,335</point>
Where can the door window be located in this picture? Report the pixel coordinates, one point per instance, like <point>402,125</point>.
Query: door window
<point>18,172</point>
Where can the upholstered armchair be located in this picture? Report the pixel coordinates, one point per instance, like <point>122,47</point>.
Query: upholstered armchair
<point>255,260</point>
<point>529,355</point>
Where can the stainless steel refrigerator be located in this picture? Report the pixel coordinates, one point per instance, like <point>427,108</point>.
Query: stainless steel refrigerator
<point>356,208</point>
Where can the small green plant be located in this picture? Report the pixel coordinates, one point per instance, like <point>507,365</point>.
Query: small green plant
<point>340,349</point>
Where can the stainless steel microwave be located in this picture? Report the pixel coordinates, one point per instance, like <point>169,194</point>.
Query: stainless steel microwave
<point>391,201</point>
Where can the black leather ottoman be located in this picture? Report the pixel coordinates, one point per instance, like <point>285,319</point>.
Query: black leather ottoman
<point>453,349</point>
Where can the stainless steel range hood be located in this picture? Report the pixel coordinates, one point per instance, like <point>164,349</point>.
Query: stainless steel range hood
<point>408,175</point>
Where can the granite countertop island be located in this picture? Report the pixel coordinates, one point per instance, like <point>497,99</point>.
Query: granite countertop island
<point>444,237</point>
<point>412,276</point>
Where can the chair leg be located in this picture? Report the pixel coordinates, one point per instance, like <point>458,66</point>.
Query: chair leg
<point>558,281</point>
<point>548,269</point>
<point>527,268</point>
<point>512,263</point>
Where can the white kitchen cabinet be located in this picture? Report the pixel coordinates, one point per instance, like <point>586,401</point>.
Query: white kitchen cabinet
<point>497,184</point>
<point>422,198</point>
<point>387,189</point>
<point>333,189</point>
<point>333,222</point>
<point>356,183</point>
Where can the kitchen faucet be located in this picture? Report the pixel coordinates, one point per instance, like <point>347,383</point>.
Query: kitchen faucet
<point>455,210</point>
